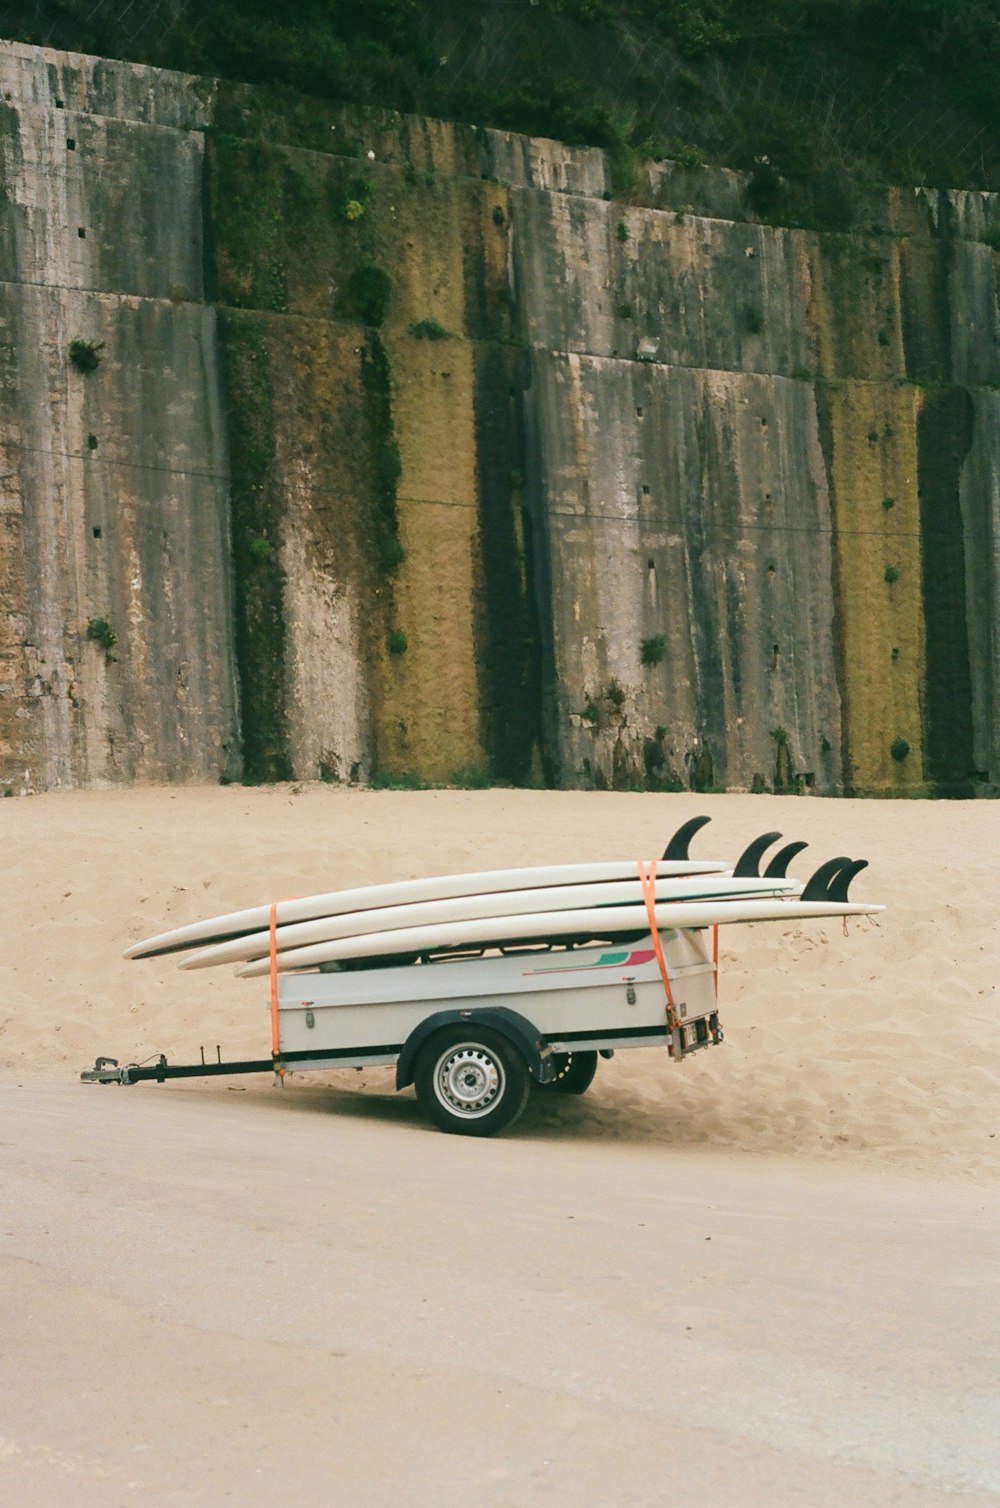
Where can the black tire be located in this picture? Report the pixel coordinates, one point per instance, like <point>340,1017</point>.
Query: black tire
<point>472,1081</point>
<point>574,1072</point>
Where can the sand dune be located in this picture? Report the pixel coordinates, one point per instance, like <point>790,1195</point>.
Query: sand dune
<point>874,1038</point>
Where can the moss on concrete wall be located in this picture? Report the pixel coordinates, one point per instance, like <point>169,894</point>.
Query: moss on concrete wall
<point>414,265</point>
<point>944,437</point>
<point>869,437</point>
<point>257,513</point>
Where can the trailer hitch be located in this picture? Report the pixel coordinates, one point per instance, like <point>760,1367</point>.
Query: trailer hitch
<point>106,1071</point>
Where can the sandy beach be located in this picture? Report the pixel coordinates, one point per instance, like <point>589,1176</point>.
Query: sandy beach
<point>766,1275</point>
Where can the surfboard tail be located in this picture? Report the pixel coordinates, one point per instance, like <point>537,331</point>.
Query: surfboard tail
<point>832,880</point>
<point>746,866</point>
<point>677,848</point>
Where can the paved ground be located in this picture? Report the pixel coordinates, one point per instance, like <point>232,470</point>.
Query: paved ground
<point>238,1295</point>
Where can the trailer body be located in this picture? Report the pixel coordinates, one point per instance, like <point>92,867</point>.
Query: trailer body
<point>472,1033</point>
<point>577,999</point>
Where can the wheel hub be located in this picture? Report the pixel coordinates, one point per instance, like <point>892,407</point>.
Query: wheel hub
<point>469,1079</point>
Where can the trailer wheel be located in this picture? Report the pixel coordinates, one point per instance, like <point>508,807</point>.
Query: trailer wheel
<point>471,1081</point>
<point>574,1072</point>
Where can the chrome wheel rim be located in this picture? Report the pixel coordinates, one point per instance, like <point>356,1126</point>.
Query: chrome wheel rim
<point>469,1080</point>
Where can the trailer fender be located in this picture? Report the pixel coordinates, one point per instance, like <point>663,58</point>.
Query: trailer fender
<point>500,1018</point>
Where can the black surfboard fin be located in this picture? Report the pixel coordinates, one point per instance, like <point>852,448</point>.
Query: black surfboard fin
<point>841,883</point>
<point>677,848</point>
<point>746,866</point>
<point>818,888</point>
<point>778,867</point>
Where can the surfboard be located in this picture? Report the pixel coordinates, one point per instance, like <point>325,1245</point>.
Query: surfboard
<point>474,907</point>
<point>218,929</point>
<point>588,924</point>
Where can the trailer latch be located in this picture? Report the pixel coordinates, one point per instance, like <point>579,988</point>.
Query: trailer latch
<point>105,1071</point>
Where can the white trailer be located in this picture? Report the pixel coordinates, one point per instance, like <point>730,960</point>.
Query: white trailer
<point>473,1033</point>
<point>472,1029</point>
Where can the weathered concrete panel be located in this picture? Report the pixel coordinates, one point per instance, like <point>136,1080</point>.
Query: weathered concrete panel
<point>116,479</point>
<point>121,513</point>
<point>53,80</point>
<point>539,163</point>
<point>611,280</point>
<point>687,516</point>
<point>96,215</point>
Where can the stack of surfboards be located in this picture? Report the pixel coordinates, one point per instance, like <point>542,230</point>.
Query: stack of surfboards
<point>497,908</point>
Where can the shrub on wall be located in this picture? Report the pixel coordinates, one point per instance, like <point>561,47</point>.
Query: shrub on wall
<point>429,329</point>
<point>86,354</point>
<point>368,290</point>
<point>100,631</point>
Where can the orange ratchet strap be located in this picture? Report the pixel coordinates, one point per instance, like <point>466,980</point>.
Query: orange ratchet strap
<point>648,881</point>
<point>273,953</point>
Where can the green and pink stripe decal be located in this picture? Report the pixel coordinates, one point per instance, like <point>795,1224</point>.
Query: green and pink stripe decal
<point>623,958</point>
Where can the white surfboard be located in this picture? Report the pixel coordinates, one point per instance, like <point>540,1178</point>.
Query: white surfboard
<point>474,907</point>
<point>217,929</point>
<point>591,923</point>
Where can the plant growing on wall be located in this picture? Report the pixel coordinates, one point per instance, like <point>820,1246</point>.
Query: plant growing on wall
<point>368,289</point>
<point>86,354</point>
<point>471,778</point>
<point>605,706</point>
<point>429,329</point>
<point>358,194</point>
<point>99,631</point>
<point>652,650</point>
<point>397,642</point>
